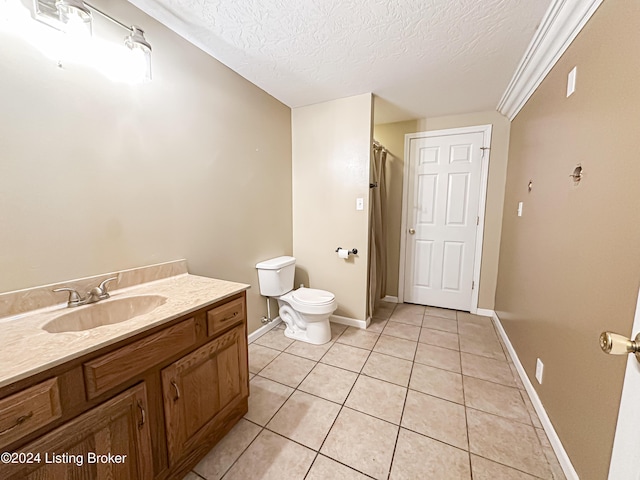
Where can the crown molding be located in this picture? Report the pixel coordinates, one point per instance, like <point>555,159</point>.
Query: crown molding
<point>559,27</point>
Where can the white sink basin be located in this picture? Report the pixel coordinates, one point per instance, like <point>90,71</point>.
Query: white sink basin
<point>107,312</point>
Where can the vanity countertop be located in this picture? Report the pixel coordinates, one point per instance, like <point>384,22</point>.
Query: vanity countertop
<point>27,349</point>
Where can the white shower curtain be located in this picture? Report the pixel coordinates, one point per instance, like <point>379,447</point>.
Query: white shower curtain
<point>377,243</point>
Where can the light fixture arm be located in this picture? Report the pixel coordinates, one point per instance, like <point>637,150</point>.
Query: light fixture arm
<point>136,34</point>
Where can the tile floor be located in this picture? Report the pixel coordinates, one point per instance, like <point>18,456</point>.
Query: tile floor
<point>423,393</point>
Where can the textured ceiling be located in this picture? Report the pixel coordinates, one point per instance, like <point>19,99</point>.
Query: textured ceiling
<point>423,58</point>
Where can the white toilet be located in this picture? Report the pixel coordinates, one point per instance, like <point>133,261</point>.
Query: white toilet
<point>306,311</point>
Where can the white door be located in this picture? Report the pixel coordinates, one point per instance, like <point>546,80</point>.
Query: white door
<point>625,458</point>
<point>442,217</point>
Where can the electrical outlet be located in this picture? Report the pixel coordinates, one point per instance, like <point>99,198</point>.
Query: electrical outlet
<point>539,370</point>
<point>359,203</point>
<point>519,209</point>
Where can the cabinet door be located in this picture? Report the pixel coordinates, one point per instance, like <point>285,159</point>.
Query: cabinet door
<point>199,386</point>
<point>80,449</point>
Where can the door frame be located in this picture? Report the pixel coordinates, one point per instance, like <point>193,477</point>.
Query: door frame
<point>484,177</point>
<point>626,443</point>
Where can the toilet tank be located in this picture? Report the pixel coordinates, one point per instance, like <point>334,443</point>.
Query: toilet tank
<point>275,276</point>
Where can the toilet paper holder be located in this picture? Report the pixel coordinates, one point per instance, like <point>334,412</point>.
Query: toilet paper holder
<point>353,251</point>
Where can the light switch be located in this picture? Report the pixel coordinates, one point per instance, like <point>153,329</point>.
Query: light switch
<point>571,82</point>
<point>539,370</point>
<point>519,209</point>
<point>359,203</point>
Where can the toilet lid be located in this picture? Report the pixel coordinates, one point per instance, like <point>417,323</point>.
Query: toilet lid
<point>311,296</point>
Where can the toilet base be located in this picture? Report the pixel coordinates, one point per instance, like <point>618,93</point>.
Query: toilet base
<point>312,326</point>
<point>317,333</point>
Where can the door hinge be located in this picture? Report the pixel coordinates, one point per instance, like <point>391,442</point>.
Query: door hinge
<point>473,284</point>
<point>484,149</point>
<point>477,220</point>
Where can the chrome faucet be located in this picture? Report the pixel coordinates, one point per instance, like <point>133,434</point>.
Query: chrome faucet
<point>94,295</point>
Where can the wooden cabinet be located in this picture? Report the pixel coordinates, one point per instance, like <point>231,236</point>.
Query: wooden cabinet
<point>162,398</point>
<point>112,441</point>
<point>29,410</point>
<point>200,386</point>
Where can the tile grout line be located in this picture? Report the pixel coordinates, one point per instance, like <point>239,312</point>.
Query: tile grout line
<point>395,444</point>
<point>263,428</point>
<point>360,373</point>
<point>499,416</point>
<point>283,351</point>
<point>270,361</point>
<point>295,389</point>
<point>509,419</point>
<point>437,440</point>
<point>343,406</point>
<point>464,400</point>
<point>404,405</point>
<point>243,450</point>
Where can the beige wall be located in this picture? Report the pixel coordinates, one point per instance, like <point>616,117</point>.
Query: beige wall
<point>331,145</point>
<point>569,267</point>
<point>97,176</point>
<point>391,135</point>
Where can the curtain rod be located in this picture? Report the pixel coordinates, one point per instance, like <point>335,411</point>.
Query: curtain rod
<point>378,146</point>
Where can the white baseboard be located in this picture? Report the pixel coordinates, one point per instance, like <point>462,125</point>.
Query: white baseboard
<point>561,453</point>
<point>264,329</point>
<point>484,312</point>
<point>351,322</point>
<point>390,299</point>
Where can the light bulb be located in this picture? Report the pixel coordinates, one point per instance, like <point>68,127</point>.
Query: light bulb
<point>75,17</point>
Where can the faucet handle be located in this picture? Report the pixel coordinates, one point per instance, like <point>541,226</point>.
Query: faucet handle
<point>103,285</point>
<point>74,296</point>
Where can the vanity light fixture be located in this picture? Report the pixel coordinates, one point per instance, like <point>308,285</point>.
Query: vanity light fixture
<point>75,17</point>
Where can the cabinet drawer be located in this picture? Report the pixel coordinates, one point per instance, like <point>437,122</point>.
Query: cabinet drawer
<point>115,368</point>
<point>28,410</point>
<point>225,315</point>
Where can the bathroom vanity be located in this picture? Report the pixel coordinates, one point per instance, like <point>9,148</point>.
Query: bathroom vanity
<point>145,398</point>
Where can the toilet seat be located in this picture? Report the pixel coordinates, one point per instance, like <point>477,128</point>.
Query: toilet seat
<point>311,301</point>
<point>312,296</point>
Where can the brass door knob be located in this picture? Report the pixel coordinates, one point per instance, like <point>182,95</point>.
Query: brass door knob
<point>615,344</point>
<point>412,231</point>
